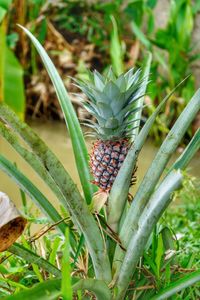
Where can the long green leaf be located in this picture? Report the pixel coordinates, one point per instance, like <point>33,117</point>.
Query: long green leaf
<point>31,257</point>
<point>11,74</point>
<point>5,4</point>
<point>73,200</point>
<point>140,102</point>
<point>31,159</point>
<point>14,84</point>
<point>188,153</point>
<point>120,189</point>
<point>116,51</point>
<point>27,186</point>
<point>157,167</point>
<point>148,219</point>
<point>151,178</point>
<point>140,35</point>
<point>54,249</point>
<point>66,284</point>
<point>77,139</point>
<point>178,285</point>
<point>44,155</point>
<point>50,290</point>
<point>2,13</point>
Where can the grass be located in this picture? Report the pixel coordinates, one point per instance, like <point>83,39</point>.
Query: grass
<point>184,216</point>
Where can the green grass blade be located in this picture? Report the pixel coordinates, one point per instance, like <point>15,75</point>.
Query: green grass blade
<point>66,285</point>
<point>79,248</point>
<point>147,221</point>
<point>11,75</point>
<point>116,52</point>
<point>140,35</point>
<point>77,139</point>
<point>150,262</point>
<point>140,102</point>
<point>2,14</point>
<point>37,197</point>
<point>54,249</point>
<point>14,84</point>
<point>159,255</point>
<point>35,267</point>
<point>50,290</point>
<point>32,257</point>
<point>24,202</point>
<point>120,189</point>
<point>178,285</point>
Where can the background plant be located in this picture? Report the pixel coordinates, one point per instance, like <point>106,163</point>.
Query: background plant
<point>11,72</point>
<point>173,52</point>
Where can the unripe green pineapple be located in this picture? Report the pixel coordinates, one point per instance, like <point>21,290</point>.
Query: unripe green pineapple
<point>112,102</point>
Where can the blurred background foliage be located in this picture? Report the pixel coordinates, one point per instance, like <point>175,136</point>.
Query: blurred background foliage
<point>96,34</point>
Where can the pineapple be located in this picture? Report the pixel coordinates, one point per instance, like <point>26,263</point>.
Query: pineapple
<point>112,102</point>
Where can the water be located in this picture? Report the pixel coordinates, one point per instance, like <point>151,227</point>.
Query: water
<point>56,137</point>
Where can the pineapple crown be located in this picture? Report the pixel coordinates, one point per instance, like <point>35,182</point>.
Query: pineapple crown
<point>112,102</point>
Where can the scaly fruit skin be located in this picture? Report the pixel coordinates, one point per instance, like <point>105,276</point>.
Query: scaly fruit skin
<point>106,160</point>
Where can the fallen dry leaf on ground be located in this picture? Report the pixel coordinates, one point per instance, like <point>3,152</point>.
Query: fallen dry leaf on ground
<point>12,223</point>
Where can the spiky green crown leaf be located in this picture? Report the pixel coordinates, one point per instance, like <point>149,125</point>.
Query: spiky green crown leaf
<point>111,100</point>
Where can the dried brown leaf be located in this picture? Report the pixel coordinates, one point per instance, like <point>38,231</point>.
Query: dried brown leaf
<point>12,223</point>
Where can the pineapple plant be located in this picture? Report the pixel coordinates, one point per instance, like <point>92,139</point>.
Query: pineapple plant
<point>111,100</point>
<point>110,275</point>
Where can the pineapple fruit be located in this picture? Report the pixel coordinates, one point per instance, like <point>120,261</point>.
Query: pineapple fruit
<point>112,102</point>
